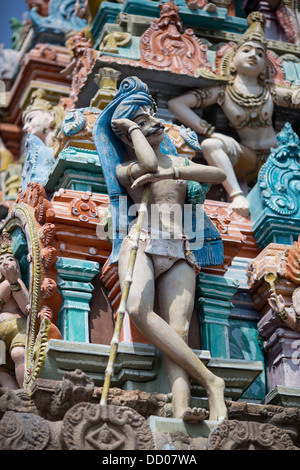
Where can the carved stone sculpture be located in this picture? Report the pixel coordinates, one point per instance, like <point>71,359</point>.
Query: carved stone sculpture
<point>13,303</point>
<point>93,427</point>
<point>42,119</point>
<point>164,47</point>
<point>235,435</point>
<point>289,315</point>
<point>131,117</point>
<point>253,80</point>
<point>83,58</point>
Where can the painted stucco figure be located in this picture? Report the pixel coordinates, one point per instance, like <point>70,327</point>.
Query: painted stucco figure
<point>41,118</point>
<point>246,93</point>
<point>129,139</point>
<point>14,299</point>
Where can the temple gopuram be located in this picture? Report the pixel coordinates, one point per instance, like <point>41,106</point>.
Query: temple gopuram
<point>106,331</point>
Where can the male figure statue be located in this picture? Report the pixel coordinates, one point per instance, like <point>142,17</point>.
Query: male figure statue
<point>163,269</point>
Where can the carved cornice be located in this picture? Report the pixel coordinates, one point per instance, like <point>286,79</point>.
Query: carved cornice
<point>42,65</point>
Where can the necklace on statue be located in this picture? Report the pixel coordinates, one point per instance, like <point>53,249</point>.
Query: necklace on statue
<point>247,100</point>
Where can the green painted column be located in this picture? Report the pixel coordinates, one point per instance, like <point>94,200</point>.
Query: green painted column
<point>214,295</point>
<point>74,282</point>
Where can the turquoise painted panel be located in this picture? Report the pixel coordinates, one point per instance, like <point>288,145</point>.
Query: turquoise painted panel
<point>108,13</point>
<point>274,200</point>
<point>130,52</point>
<point>292,71</point>
<point>244,343</point>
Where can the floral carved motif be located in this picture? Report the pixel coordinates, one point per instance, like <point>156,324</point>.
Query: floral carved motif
<point>164,47</point>
<point>93,427</point>
<point>237,435</point>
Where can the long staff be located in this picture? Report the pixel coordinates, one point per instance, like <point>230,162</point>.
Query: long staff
<point>125,293</point>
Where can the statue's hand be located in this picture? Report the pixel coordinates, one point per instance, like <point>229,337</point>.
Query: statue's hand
<point>296,96</point>
<point>159,175</point>
<point>279,305</point>
<point>11,274</point>
<point>121,126</point>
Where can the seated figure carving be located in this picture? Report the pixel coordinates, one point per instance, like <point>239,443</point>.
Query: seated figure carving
<point>14,299</point>
<point>247,95</point>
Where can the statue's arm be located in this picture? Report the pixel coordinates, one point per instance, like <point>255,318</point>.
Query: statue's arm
<point>183,108</point>
<point>145,158</point>
<point>21,296</point>
<point>287,97</point>
<point>205,174</point>
<point>5,291</point>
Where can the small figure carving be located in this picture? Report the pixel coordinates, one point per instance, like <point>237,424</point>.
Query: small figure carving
<point>253,83</point>
<point>164,47</point>
<point>201,4</point>
<point>112,41</point>
<point>13,302</point>
<point>41,118</point>
<point>83,58</point>
<point>289,315</point>
<point>162,266</point>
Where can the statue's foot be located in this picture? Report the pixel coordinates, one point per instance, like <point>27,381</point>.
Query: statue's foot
<point>210,7</point>
<point>194,415</point>
<point>217,406</point>
<point>193,4</point>
<point>240,205</point>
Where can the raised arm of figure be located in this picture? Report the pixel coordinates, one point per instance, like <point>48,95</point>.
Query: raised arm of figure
<point>182,108</point>
<point>145,157</point>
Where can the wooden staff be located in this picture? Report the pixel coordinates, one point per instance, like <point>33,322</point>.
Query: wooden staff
<point>125,293</point>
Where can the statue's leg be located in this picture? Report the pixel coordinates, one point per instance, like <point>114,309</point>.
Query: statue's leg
<point>216,154</point>
<point>8,381</point>
<point>160,334</point>
<point>18,356</point>
<point>176,295</point>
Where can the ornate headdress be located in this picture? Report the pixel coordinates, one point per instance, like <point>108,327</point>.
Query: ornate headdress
<point>255,32</point>
<point>38,103</point>
<point>5,243</point>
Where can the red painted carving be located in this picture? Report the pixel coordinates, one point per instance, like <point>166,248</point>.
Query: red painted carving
<point>164,47</point>
<point>84,57</point>
<point>287,19</point>
<point>42,6</point>
<point>293,263</point>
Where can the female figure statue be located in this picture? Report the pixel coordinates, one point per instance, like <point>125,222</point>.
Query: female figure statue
<point>247,98</point>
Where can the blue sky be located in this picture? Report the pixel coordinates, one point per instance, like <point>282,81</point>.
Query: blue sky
<point>8,9</point>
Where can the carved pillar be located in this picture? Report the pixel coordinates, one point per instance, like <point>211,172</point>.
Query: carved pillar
<point>282,347</point>
<point>74,281</point>
<point>214,306</point>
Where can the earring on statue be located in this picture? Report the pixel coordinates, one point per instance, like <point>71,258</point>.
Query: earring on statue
<point>232,69</point>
